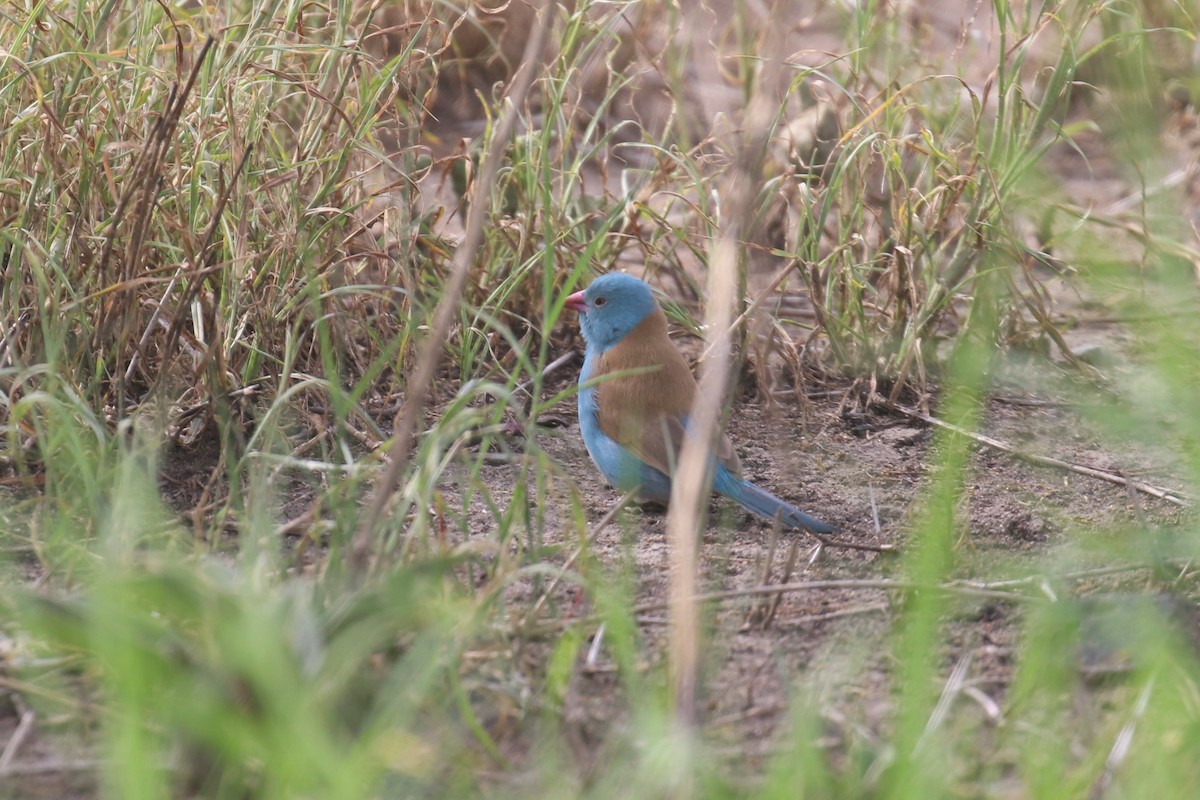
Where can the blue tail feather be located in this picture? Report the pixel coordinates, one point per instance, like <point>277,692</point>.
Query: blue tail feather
<point>765,504</point>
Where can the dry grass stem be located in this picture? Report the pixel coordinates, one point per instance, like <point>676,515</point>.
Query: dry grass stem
<point>1169,495</point>
<point>366,543</point>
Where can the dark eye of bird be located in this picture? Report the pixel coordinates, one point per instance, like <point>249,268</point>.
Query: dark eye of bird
<point>600,301</point>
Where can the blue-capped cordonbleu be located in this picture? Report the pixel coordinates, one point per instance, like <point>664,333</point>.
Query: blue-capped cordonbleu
<point>634,423</point>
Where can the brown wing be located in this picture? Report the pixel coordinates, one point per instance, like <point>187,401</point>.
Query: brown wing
<point>644,411</point>
<point>671,432</point>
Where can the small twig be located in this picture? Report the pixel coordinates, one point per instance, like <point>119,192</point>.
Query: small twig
<point>1139,197</point>
<point>990,707</point>
<point>10,336</point>
<point>1121,745</point>
<point>777,598</point>
<point>52,767</point>
<point>826,616</point>
<point>17,739</point>
<point>829,541</point>
<point>1032,402</point>
<point>759,613</point>
<point>593,654</point>
<point>1168,495</point>
<point>1031,580</point>
<point>874,508</point>
<point>849,583</point>
<point>1138,509</point>
<point>809,586</point>
<point>298,525</point>
<point>755,712</point>
<point>802,619</point>
<point>953,687</point>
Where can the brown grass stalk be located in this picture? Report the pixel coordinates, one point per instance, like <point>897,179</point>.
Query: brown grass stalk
<point>366,545</point>
<point>692,480</point>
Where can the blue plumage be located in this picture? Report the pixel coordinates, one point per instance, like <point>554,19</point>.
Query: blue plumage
<point>633,424</point>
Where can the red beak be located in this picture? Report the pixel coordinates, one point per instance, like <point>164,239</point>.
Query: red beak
<point>575,302</point>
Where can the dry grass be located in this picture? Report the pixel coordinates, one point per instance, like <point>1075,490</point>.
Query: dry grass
<point>253,277</point>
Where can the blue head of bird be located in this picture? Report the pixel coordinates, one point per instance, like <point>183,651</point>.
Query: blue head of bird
<point>611,307</point>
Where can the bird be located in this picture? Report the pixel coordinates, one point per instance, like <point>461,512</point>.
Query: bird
<point>634,423</point>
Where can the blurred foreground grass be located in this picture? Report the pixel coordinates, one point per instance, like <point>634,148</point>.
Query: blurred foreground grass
<point>219,264</point>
